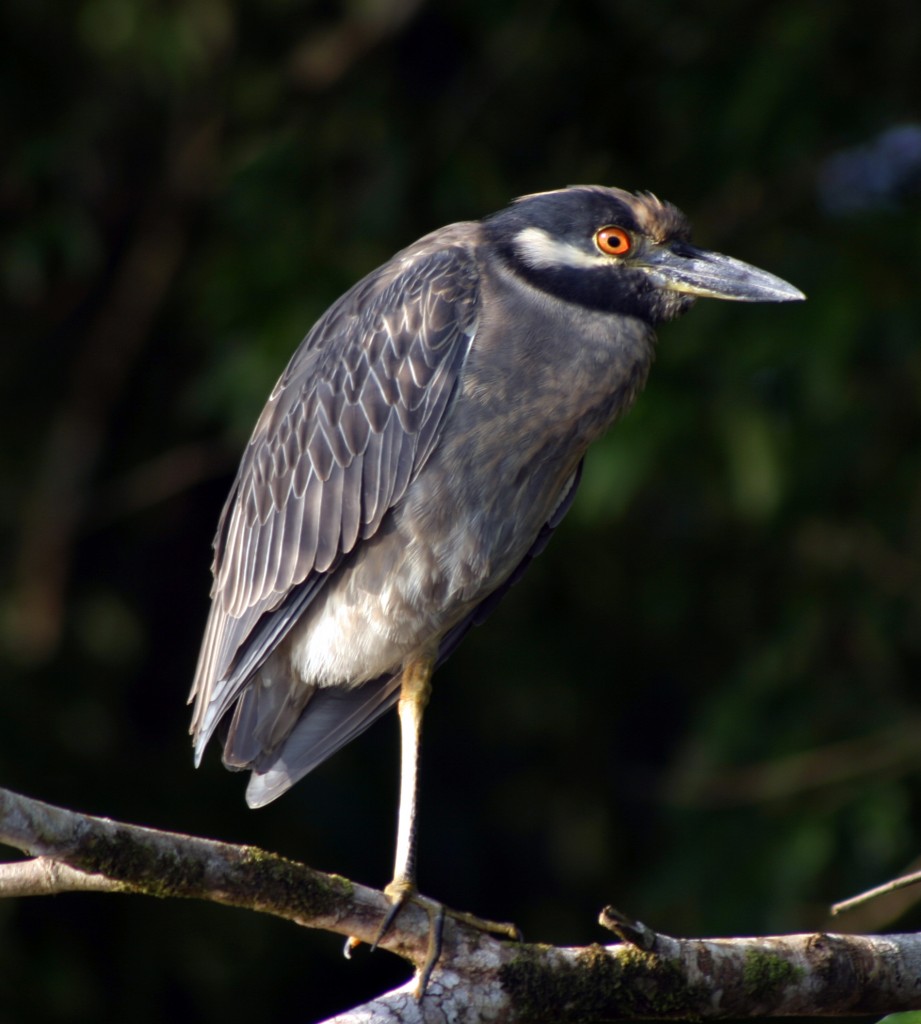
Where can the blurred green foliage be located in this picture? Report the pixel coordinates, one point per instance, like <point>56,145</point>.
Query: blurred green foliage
<point>701,705</point>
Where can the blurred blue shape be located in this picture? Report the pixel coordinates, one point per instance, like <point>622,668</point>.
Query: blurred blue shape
<point>876,175</point>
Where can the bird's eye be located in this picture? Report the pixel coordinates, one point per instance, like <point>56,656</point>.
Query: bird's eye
<point>613,241</point>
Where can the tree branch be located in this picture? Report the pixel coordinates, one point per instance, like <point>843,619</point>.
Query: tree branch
<point>903,882</point>
<point>43,876</point>
<point>142,860</point>
<point>478,977</point>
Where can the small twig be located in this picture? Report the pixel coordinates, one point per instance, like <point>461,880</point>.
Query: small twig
<point>788,776</point>
<point>627,930</point>
<point>635,933</point>
<point>881,890</point>
<point>159,479</point>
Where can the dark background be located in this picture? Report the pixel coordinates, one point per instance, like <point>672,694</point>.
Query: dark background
<point>703,703</point>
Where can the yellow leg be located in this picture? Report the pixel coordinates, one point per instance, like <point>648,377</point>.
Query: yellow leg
<point>415,689</point>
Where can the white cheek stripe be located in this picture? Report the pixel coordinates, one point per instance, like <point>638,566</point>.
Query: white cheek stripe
<point>539,249</point>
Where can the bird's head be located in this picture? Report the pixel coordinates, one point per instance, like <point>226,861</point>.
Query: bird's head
<point>606,249</point>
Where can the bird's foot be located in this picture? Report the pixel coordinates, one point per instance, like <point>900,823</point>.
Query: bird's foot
<point>502,929</point>
<point>400,893</point>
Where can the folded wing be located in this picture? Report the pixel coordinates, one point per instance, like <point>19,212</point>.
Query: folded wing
<point>353,418</point>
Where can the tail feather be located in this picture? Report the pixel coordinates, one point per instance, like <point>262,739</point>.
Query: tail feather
<point>334,717</point>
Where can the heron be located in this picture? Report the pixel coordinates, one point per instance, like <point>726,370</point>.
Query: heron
<point>423,443</point>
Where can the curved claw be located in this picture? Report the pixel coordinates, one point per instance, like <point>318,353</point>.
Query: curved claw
<point>400,893</point>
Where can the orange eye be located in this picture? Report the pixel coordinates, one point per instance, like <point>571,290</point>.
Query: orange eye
<point>613,241</point>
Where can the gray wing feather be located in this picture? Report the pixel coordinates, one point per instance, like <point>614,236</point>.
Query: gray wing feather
<point>351,504</point>
<point>354,416</point>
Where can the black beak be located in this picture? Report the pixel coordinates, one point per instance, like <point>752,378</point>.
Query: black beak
<point>680,267</point>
